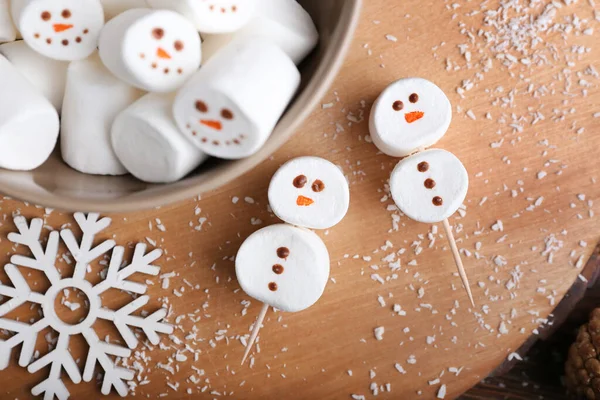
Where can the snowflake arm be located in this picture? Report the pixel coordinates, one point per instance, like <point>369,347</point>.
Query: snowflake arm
<point>84,253</point>
<point>30,236</point>
<point>26,334</point>
<point>141,263</point>
<point>19,294</point>
<point>99,352</point>
<point>151,325</point>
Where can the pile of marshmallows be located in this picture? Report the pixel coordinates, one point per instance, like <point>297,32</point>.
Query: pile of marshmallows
<point>130,92</point>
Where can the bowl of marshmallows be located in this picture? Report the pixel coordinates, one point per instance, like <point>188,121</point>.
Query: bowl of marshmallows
<point>120,105</point>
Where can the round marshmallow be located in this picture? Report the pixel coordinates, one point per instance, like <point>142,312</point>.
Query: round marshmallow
<point>112,8</point>
<point>283,22</point>
<point>8,33</point>
<point>410,115</point>
<point>309,192</point>
<point>429,186</point>
<point>148,143</point>
<point>47,75</point>
<point>93,98</point>
<point>28,121</point>
<point>230,107</point>
<point>211,16</point>
<point>64,30</point>
<point>154,50</point>
<point>283,266</point>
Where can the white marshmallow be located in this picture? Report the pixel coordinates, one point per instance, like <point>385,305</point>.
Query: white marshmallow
<point>28,122</point>
<point>148,143</point>
<point>112,8</point>
<point>8,33</point>
<point>47,75</point>
<point>64,30</point>
<point>211,16</point>
<point>283,266</point>
<point>429,186</point>
<point>284,22</point>
<point>154,50</point>
<point>230,107</point>
<point>309,192</point>
<point>93,98</point>
<point>410,115</point>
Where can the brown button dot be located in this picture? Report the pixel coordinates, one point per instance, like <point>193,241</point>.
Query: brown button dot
<point>166,70</point>
<point>300,181</point>
<point>78,39</point>
<point>142,56</point>
<point>204,140</point>
<point>201,106</point>
<point>65,42</point>
<point>154,65</point>
<point>178,45</point>
<point>194,133</point>
<point>423,166</point>
<point>437,201</point>
<point>278,269</point>
<point>226,113</point>
<point>37,35</point>
<point>272,286</point>
<point>236,141</point>
<point>46,16</point>
<point>216,142</point>
<point>429,183</point>
<point>398,105</point>
<point>414,98</point>
<point>49,41</point>
<point>283,252</point>
<point>86,31</point>
<point>318,186</point>
<point>179,71</point>
<point>233,8</point>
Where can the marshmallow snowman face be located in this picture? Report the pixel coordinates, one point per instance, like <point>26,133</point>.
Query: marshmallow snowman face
<point>409,115</point>
<point>64,30</point>
<point>219,16</point>
<point>283,266</point>
<point>309,192</point>
<point>429,186</point>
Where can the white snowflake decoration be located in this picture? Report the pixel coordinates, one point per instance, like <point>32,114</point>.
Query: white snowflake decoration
<point>116,277</point>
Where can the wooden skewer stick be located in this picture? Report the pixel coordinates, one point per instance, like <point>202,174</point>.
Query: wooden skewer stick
<point>457,260</point>
<point>257,326</point>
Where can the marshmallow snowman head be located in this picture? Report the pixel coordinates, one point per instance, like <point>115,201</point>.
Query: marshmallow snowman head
<point>310,192</point>
<point>409,115</point>
<point>429,186</point>
<point>283,266</point>
<point>64,30</point>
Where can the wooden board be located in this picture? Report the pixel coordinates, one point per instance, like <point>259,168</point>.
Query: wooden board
<point>519,269</point>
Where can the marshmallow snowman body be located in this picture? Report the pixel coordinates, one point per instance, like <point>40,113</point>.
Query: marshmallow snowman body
<point>153,50</point>
<point>283,22</point>
<point>112,8</point>
<point>28,122</point>
<point>429,186</point>
<point>410,115</point>
<point>64,30</point>
<point>8,33</point>
<point>283,266</point>
<point>231,105</point>
<point>211,16</point>
<point>46,74</point>
<point>93,98</point>
<point>310,192</point>
<point>148,143</point>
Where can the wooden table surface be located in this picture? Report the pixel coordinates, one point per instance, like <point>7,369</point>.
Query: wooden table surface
<point>524,126</point>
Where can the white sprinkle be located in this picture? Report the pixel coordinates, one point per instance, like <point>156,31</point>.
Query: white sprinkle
<point>378,332</point>
<point>442,392</point>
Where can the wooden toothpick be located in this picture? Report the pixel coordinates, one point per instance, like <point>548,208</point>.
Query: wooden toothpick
<point>257,326</point>
<point>457,260</point>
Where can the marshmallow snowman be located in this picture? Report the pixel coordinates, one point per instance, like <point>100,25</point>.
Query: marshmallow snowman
<point>309,192</point>
<point>429,186</point>
<point>229,108</point>
<point>410,115</point>
<point>8,33</point>
<point>211,16</point>
<point>284,267</point>
<point>112,8</point>
<point>64,30</point>
<point>153,50</point>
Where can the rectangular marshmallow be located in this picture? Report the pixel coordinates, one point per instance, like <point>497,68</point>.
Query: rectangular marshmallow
<point>283,22</point>
<point>93,98</point>
<point>8,33</point>
<point>148,143</point>
<point>28,122</point>
<point>112,8</point>
<point>47,75</point>
<point>230,107</point>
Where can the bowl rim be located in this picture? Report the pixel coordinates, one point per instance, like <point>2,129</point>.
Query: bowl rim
<point>325,73</point>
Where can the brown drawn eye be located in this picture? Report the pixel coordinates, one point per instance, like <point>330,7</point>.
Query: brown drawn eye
<point>46,16</point>
<point>398,105</point>
<point>178,45</point>
<point>201,106</point>
<point>414,98</point>
<point>300,181</point>
<point>227,114</point>
<point>158,33</point>
<point>318,186</point>
<point>66,13</point>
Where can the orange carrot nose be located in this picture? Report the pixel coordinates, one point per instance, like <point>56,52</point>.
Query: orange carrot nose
<point>212,124</point>
<point>304,201</point>
<point>61,27</point>
<point>163,54</point>
<point>414,116</point>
